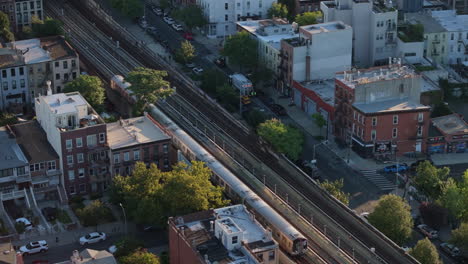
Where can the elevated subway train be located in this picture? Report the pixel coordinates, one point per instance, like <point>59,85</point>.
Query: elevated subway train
<point>288,237</point>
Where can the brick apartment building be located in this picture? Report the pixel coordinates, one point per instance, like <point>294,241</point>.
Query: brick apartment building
<point>378,111</point>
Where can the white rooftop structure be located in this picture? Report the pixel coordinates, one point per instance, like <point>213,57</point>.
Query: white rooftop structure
<point>133,131</point>
<point>65,103</point>
<point>325,27</point>
<point>269,30</point>
<point>323,88</point>
<point>450,20</point>
<point>32,51</point>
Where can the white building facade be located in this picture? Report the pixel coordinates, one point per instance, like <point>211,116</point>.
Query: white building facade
<point>26,9</point>
<point>223,15</point>
<point>14,81</point>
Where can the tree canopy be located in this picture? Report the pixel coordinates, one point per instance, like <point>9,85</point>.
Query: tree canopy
<point>148,86</point>
<point>291,6</point>
<point>441,109</point>
<point>319,121</point>
<point>278,10</point>
<point>430,179</point>
<point>7,119</point>
<point>308,18</point>
<point>127,246</point>
<point>186,51</point>
<point>129,8</point>
<point>392,216</point>
<point>335,189</point>
<point>5,27</point>
<point>211,79</point>
<point>192,16</point>
<point>151,196</point>
<point>94,214</point>
<point>255,118</point>
<point>460,236</point>
<point>227,96</point>
<point>90,87</point>
<point>140,257</point>
<point>241,50</point>
<point>455,197</point>
<point>425,252</point>
<point>284,139</point>
<point>48,27</point>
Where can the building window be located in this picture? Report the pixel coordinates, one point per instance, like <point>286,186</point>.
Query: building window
<point>81,172</point>
<point>21,70</point>
<point>359,118</point>
<point>354,114</point>
<point>5,86</point>
<point>451,36</point>
<point>57,76</point>
<point>420,117</point>
<point>226,17</point>
<point>166,163</point>
<point>31,4</point>
<point>65,64</point>
<point>82,188</point>
<point>234,240</point>
<point>402,88</point>
<point>126,156</point>
<point>20,170</point>
<point>79,142</point>
<point>22,83</point>
<point>373,134</point>
<point>420,131</point>
<point>72,189</point>
<point>116,171</point>
<point>38,4</point>
<point>74,75</point>
<point>226,6</point>
<point>156,152</point>
<point>70,159</point>
<point>394,132</point>
<point>374,121</point>
<point>71,175</point>
<point>116,157</point>
<point>260,257</point>
<point>91,172</point>
<point>57,64</point>
<point>102,137</point>
<point>65,76</point>
<point>73,63</point>
<point>51,165</point>
<point>136,155</point>
<point>395,119</point>
<point>13,84</point>
<point>91,140</point>
<point>271,255</point>
<point>4,73</point>
<point>69,144</point>
<point>80,157</point>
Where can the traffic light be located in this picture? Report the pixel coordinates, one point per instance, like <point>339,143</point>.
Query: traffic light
<point>253,93</point>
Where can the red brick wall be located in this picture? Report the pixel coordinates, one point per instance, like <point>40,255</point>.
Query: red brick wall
<point>314,97</point>
<point>180,252</point>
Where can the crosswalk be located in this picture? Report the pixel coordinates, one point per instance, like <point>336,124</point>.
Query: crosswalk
<point>378,180</point>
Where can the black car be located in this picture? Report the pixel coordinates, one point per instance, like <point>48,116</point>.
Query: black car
<point>49,213</point>
<point>278,109</point>
<point>221,62</point>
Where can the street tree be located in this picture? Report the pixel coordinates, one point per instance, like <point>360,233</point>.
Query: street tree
<point>7,119</point>
<point>140,257</point>
<point>278,10</point>
<point>261,74</point>
<point>308,18</point>
<point>241,50</point>
<point>129,8</point>
<point>291,6</point>
<point>5,27</point>
<point>127,246</point>
<point>455,197</point>
<point>441,109</point>
<point>430,179</point>
<point>460,236</point>
<point>335,188</point>
<point>255,118</point>
<point>319,121</point>
<point>148,86</point>
<point>192,16</point>
<point>284,139</point>
<point>164,4</point>
<point>48,27</point>
<point>94,214</point>
<point>227,96</point>
<point>211,79</point>
<point>392,216</point>
<point>186,51</point>
<point>150,196</point>
<point>90,87</point>
<point>425,252</point>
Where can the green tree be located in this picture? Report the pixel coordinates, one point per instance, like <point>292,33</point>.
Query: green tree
<point>241,50</point>
<point>211,79</point>
<point>151,196</point>
<point>319,121</point>
<point>460,236</point>
<point>127,246</point>
<point>48,27</point>
<point>129,8</point>
<point>94,214</point>
<point>291,6</point>
<point>90,87</point>
<point>140,257</point>
<point>284,139</point>
<point>261,74</point>
<point>228,96</point>
<point>164,4</point>
<point>335,189</point>
<point>308,18</point>
<point>425,252</point>
<point>148,86</point>
<point>455,197</point>
<point>430,179</point>
<point>7,119</point>
<point>392,216</point>
<point>255,118</point>
<point>441,109</point>
<point>5,27</point>
<point>277,10</point>
<point>186,51</point>
<point>192,16</point>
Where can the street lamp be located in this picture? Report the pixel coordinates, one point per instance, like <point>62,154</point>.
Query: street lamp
<point>125,218</point>
<point>318,144</point>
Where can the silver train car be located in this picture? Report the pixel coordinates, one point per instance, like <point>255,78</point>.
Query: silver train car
<point>288,237</point>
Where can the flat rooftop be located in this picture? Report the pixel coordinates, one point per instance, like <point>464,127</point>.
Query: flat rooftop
<point>32,50</point>
<point>430,24</point>
<point>133,131</point>
<point>63,103</point>
<point>449,20</point>
<point>274,40</point>
<point>10,58</point>
<point>450,124</point>
<point>325,27</point>
<point>375,74</point>
<point>324,88</point>
<point>394,105</point>
<point>11,155</point>
<point>33,141</point>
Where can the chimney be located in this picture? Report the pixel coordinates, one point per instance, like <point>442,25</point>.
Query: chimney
<point>211,226</point>
<point>49,90</point>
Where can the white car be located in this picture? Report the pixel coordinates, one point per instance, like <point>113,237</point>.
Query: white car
<point>157,11</point>
<point>34,247</point>
<point>168,20</point>
<point>429,232</point>
<point>92,238</point>
<point>177,27</point>
<point>26,222</point>
<point>197,70</point>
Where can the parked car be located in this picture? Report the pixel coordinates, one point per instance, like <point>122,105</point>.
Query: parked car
<point>190,65</point>
<point>450,249</point>
<point>49,213</point>
<point>427,231</point>
<point>142,23</point>
<point>197,70</point>
<point>221,62</point>
<point>92,238</point>
<point>26,222</point>
<point>157,11</point>
<point>34,247</point>
<point>393,168</point>
<point>168,20</point>
<point>278,109</point>
<point>177,27</point>
<point>188,36</point>
<point>415,165</point>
